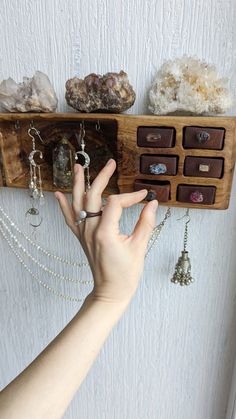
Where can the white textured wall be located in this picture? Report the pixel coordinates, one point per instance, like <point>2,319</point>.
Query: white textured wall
<point>171,356</point>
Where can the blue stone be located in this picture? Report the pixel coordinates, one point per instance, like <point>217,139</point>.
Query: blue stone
<point>157,169</point>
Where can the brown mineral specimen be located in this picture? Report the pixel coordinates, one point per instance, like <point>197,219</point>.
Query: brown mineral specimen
<point>109,93</point>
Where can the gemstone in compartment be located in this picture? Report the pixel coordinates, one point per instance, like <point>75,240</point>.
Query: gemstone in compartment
<point>157,169</point>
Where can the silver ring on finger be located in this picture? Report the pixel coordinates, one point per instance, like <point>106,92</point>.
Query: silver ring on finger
<point>83,215</point>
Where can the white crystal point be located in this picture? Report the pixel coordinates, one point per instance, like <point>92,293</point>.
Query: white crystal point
<point>34,94</point>
<point>82,214</point>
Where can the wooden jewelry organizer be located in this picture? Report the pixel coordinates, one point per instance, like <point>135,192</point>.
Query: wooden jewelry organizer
<point>196,154</point>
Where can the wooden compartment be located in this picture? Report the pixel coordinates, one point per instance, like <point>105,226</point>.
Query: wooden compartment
<point>130,153</point>
<point>16,145</point>
<point>196,194</point>
<point>156,137</point>
<point>167,164</point>
<point>203,167</point>
<point>204,137</point>
<point>156,190</point>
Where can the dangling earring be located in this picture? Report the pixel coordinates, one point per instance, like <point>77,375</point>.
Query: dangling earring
<point>182,274</point>
<point>35,183</point>
<point>84,154</point>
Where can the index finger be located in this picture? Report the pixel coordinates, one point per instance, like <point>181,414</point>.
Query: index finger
<point>113,209</point>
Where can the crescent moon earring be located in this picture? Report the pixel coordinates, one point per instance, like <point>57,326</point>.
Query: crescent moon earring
<point>35,183</point>
<point>85,155</point>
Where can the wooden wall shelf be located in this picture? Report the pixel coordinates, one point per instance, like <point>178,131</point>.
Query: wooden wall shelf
<point>130,139</point>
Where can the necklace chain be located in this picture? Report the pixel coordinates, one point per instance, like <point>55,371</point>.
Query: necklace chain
<point>154,236</point>
<point>35,277</point>
<point>157,231</point>
<point>41,265</point>
<point>40,248</point>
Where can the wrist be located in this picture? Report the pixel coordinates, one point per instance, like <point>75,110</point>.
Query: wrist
<point>111,303</point>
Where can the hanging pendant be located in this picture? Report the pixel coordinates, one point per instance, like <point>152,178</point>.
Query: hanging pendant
<point>35,182</point>
<point>182,274</point>
<point>86,157</point>
<point>33,216</point>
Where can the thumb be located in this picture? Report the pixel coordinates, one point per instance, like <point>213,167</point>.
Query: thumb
<point>145,224</point>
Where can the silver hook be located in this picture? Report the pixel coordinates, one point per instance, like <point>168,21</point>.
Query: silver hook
<point>185,215</point>
<point>82,129</point>
<point>17,125</point>
<point>97,126</point>
<point>36,131</point>
<point>80,138</point>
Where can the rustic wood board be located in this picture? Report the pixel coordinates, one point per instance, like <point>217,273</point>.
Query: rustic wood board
<point>16,145</point>
<point>129,153</point>
<point>117,139</point>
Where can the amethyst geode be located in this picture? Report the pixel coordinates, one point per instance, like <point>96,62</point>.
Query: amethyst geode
<point>111,92</point>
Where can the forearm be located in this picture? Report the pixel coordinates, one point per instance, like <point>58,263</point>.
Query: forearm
<point>48,384</point>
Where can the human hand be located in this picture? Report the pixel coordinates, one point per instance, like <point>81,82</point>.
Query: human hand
<point>116,259</point>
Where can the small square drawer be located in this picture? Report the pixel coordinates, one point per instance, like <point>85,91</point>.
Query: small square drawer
<point>158,165</point>
<point>156,137</point>
<point>156,190</point>
<point>203,137</point>
<point>203,167</point>
<point>196,194</point>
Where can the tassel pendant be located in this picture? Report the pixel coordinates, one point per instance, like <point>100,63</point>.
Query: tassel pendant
<point>182,274</point>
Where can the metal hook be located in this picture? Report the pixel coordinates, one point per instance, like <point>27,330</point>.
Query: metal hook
<point>30,135</point>
<point>36,131</point>
<point>17,125</point>
<point>97,126</point>
<point>82,129</point>
<point>185,215</point>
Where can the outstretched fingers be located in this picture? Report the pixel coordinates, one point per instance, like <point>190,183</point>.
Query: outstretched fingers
<point>93,197</point>
<point>113,209</point>
<point>78,189</point>
<point>67,211</point>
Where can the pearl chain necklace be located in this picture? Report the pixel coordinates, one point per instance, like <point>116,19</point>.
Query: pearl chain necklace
<point>11,238</point>
<point>35,277</point>
<point>43,267</point>
<point>40,248</point>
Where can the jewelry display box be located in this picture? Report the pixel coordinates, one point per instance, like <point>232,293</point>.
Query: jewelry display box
<point>183,161</point>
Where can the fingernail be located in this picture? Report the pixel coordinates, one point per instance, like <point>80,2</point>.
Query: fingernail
<point>109,162</point>
<point>142,191</point>
<point>153,205</point>
<point>56,196</point>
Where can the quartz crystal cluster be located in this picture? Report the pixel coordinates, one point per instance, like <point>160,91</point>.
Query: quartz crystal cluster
<point>189,85</point>
<point>34,94</point>
<point>111,92</point>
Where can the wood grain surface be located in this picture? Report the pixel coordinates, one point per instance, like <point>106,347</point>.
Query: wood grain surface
<point>118,139</point>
